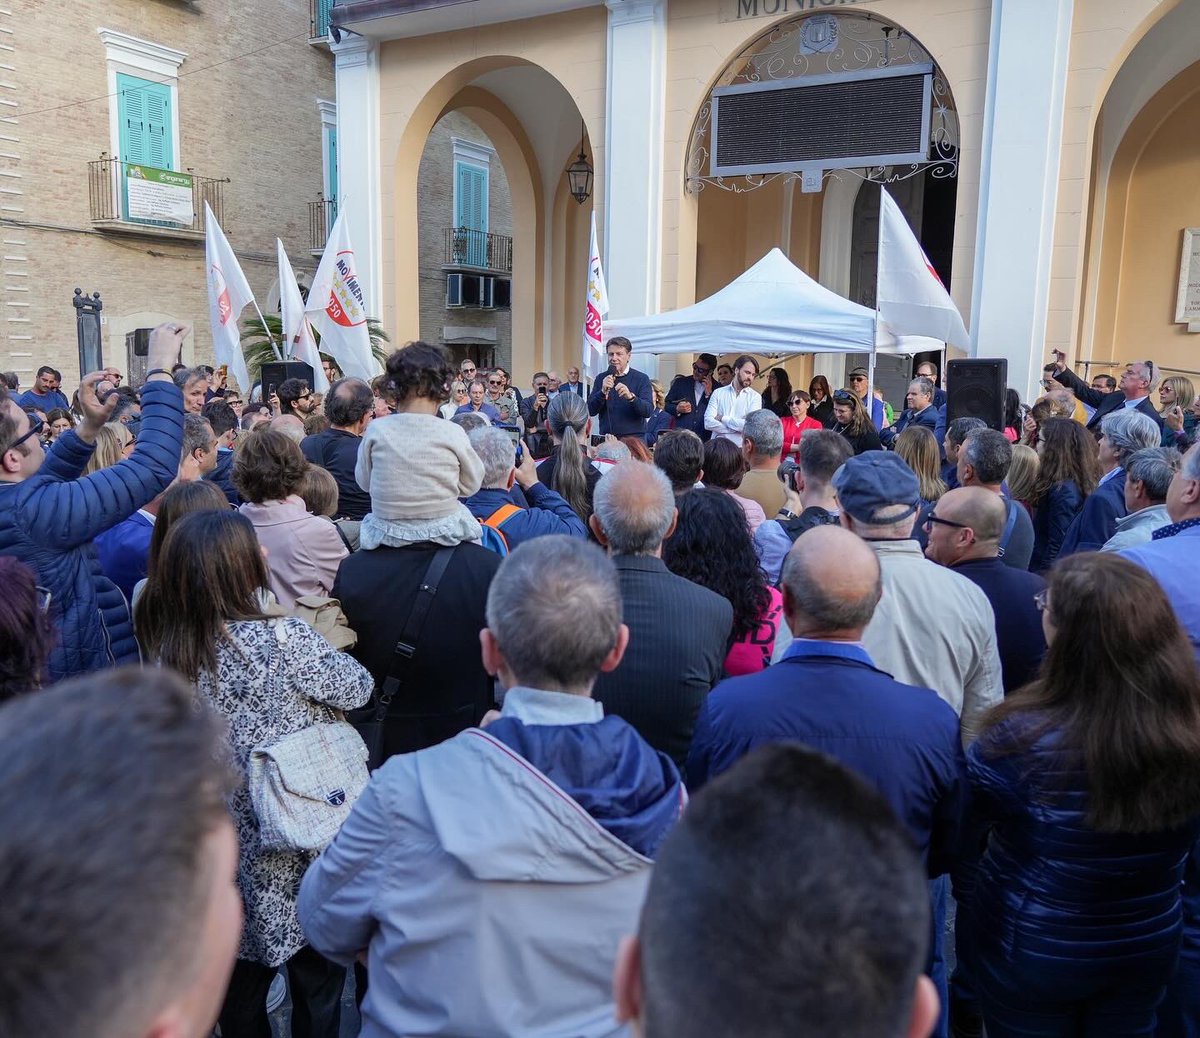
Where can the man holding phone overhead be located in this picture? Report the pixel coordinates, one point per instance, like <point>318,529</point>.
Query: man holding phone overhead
<point>623,399</point>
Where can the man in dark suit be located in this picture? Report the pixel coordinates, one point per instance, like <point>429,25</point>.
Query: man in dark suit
<point>1137,382</point>
<point>965,527</point>
<point>574,384</point>
<point>928,369</point>
<point>920,410</point>
<point>1123,433</point>
<point>678,631</point>
<point>687,399</point>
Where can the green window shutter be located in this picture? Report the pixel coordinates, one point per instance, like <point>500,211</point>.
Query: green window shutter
<point>471,210</point>
<point>321,26</point>
<point>331,158</point>
<point>146,122</point>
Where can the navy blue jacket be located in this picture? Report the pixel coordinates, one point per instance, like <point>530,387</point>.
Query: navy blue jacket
<point>547,513</point>
<point>1097,519</point>
<point>659,423</point>
<point>684,388</point>
<point>336,451</point>
<point>1104,403</point>
<point>1054,899</point>
<point>623,417</point>
<point>831,697</point>
<point>1019,635</point>
<point>222,476</point>
<point>50,521</point>
<point>1051,520</point>
<point>927,418</point>
<point>124,552</point>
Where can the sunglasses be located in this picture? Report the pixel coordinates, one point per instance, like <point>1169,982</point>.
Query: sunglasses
<point>494,382</point>
<point>931,520</point>
<point>842,397</point>
<point>858,378</point>
<point>36,425</point>
<point>700,369</point>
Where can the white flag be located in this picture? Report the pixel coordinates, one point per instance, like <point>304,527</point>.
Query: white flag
<point>337,308</point>
<point>228,296</point>
<point>595,360</point>
<point>298,340</point>
<point>910,296</point>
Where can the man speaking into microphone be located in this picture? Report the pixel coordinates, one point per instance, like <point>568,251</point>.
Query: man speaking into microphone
<point>623,399</point>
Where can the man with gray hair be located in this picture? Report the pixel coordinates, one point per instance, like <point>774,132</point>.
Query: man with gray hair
<point>526,844</point>
<point>678,631</point>
<point>983,461</point>
<point>1148,475</point>
<point>349,406</point>
<point>493,506</point>
<point>762,446</point>
<point>1137,383</point>
<point>919,410</point>
<point>831,694</point>
<point>1123,433</point>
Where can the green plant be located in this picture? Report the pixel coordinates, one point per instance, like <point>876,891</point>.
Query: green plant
<point>256,343</point>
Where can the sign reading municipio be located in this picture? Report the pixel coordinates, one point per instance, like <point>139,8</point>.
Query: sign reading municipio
<point>158,194</point>
<point>737,10</point>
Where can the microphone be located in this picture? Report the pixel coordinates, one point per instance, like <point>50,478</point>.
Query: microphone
<point>612,370</point>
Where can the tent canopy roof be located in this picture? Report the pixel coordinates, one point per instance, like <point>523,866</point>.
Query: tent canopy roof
<point>774,309</point>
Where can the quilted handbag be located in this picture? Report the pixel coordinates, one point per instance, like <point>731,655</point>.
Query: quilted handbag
<point>303,786</point>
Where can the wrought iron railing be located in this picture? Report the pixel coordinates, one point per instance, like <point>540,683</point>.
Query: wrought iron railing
<point>318,18</point>
<point>108,198</point>
<point>321,215</point>
<point>479,249</point>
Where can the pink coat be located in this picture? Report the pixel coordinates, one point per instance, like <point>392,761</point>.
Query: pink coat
<point>304,551</point>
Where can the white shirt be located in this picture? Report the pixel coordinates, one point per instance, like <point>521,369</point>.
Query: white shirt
<point>733,407</point>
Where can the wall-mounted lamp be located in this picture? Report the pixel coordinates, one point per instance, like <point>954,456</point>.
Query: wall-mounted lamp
<point>579,172</point>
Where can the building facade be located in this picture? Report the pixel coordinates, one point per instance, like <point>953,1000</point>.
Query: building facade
<point>112,112</point>
<point>1052,179</point>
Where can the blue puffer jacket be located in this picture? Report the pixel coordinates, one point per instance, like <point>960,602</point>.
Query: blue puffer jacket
<point>1054,902</point>
<point>1051,520</point>
<point>50,520</point>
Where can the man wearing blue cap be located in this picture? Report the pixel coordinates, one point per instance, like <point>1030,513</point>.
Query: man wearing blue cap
<point>933,627</point>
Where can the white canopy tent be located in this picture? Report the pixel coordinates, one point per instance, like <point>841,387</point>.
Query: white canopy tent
<point>774,309</point>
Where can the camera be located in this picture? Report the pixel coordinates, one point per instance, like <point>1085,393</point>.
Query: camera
<point>787,471</point>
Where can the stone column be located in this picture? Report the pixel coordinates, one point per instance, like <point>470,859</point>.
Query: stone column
<point>1022,139</point>
<point>356,72</point>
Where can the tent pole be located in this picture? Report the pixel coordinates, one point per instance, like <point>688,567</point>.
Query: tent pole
<point>875,337</point>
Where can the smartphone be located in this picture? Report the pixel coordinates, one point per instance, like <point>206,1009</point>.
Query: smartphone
<point>270,391</point>
<point>520,452</point>
<point>597,440</point>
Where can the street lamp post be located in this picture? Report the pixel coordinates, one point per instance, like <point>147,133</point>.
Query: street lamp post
<point>87,329</point>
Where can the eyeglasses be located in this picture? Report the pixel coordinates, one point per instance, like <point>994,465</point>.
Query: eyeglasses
<point>700,369</point>
<point>1042,600</point>
<point>306,396</point>
<point>932,519</point>
<point>796,400</point>
<point>858,378</point>
<point>36,425</point>
<point>494,382</point>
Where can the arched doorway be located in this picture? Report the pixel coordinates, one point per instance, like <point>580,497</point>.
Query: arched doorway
<point>817,200</point>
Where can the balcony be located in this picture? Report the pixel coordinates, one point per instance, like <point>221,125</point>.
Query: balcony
<point>318,20</point>
<point>321,215</point>
<point>478,250</point>
<point>130,199</point>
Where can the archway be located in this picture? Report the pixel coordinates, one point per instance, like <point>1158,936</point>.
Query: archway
<point>814,205</point>
<point>532,121</point>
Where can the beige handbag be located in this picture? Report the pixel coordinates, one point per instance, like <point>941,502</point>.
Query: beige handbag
<point>324,615</point>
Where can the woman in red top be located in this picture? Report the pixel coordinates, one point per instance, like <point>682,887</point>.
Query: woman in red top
<point>795,425</point>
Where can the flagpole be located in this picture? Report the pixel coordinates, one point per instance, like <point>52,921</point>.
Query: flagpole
<point>875,336</point>
<point>270,337</point>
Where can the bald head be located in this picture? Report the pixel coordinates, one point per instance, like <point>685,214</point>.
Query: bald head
<point>979,516</point>
<point>634,509</point>
<point>289,425</point>
<point>830,602</point>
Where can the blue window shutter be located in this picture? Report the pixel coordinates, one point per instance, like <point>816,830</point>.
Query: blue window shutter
<point>471,210</point>
<point>331,140</point>
<point>321,27</point>
<point>146,122</point>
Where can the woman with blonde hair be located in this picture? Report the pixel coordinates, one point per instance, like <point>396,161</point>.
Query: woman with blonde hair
<point>567,471</point>
<point>1176,394</point>
<point>660,420</point>
<point>458,397</point>
<point>1022,474</point>
<point>918,447</point>
<point>111,441</point>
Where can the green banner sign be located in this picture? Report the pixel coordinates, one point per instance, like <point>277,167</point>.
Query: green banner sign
<point>158,194</point>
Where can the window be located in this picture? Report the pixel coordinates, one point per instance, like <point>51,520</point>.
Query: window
<point>472,162</point>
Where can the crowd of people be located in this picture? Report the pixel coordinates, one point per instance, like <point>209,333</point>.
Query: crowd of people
<point>598,709</point>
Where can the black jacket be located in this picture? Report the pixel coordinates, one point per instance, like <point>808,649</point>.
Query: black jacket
<point>1019,635</point>
<point>336,451</point>
<point>1104,403</point>
<point>444,688</point>
<point>678,638</point>
<point>867,440</point>
<point>684,388</point>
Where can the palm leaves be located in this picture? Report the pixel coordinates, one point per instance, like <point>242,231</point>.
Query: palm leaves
<point>256,343</point>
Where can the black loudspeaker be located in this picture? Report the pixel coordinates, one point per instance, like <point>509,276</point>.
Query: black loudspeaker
<point>277,373</point>
<point>975,389</point>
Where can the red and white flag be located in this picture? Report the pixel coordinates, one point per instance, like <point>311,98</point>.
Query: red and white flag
<point>228,295</point>
<point>298,340</point>
<point>595,360</point>
<point>337,308</point>
<point>910,296</point>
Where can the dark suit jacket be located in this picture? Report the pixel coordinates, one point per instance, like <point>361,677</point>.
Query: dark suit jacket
<point>678,637</point>
<point>579,389</point>
<point>1019,635</point>
<point>928,418</point>
<point>684,388</point>
<point>444,688</point>
<point>1051,519</point>
<point>222,476</point>
<point>1104,403</point>
<point>1097,519</point>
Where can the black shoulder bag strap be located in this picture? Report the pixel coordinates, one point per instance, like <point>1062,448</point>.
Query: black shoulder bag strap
<point>1010,523</point>
<point>406,647</point>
